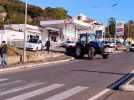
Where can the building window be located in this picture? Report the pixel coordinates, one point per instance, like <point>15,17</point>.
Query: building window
<point>79,17</point>
<point>53,38</point>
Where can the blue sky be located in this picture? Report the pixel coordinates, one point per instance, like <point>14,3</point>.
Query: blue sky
<point>100,10</point>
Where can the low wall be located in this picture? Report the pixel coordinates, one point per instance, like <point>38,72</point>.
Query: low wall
<point>33,57</point>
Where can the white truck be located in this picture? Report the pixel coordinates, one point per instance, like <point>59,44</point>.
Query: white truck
<point>15,38</point>
<point>35,43</point>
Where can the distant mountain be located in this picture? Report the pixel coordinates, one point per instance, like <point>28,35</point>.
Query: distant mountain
<point>15,10</point>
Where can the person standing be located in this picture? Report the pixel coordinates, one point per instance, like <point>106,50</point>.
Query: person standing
<point>3,53</point>
<point>48,45</point>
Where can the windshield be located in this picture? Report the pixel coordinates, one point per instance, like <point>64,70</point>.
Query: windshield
<point>89,37</point>
<point>83,38</point>
<point>33,39</point>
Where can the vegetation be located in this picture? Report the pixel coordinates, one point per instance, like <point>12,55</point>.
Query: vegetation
<point>129,29</point>
<point>15,10</point>
<point>112,26</point>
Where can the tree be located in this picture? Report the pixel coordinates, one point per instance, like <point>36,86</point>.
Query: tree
<point>131,22</point>
<point>55,13</point>
<point>112,26</point>
<point>1,24</point>
<point>2,9</point>
<point>125,31</point>
<point>16,10</point>
<point>3,14</point>
<point>107,35</point>
<point>61,13</point>
<point>129,29</point>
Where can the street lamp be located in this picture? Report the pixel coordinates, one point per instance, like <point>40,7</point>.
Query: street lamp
<point>25,34</point>
<point>115,32</point>
<point>128,31</point>
<point>115,5</point>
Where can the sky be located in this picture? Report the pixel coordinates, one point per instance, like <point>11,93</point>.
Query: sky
<point>101,10</point>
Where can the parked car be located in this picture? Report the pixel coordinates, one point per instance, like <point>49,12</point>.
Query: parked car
<point>70,48</point>
<point>34,44</point>
<point>120,46</point>
<point>85,46</point>
<point>66,43</point>
<point>131,48</point>
<point>112,44</point>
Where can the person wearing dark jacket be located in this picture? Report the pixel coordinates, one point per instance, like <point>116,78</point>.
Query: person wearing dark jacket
<point>47,45</point>
<point>3,53</point>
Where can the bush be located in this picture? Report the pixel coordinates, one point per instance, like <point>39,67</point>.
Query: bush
<point>12,51</point>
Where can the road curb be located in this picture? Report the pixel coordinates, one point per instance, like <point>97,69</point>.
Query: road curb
<point>3,70</point>
<point>127,86</point>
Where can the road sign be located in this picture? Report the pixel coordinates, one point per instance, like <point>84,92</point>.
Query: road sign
<point>120,29</point>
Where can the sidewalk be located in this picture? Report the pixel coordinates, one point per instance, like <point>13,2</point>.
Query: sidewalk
<point>44,59</point>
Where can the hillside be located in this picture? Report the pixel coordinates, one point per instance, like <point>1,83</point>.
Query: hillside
<point>15,10</point>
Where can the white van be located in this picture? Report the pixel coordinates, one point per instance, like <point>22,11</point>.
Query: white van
<point>34,43</point>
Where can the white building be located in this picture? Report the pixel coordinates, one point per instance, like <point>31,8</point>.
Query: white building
<point>69,29</point>
<point>55,30</point>
<point>61,30</point>
<point>15,32</point>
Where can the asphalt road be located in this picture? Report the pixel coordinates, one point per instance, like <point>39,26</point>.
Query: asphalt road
<point>81,79</point>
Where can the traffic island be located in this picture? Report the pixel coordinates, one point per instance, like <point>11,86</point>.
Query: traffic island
<point>128,86</point>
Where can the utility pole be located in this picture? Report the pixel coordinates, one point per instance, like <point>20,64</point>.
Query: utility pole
<point>113,6</point>
<point>75,32</point>
<point>108,31</point>
<point>115,32</point>
<point>128,31</point>
<point>25,34</point>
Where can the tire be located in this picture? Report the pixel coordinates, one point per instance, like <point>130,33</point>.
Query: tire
<point>130,50</point>
<point>36,49</point>
<point>105,56</point>
<point>67,51</point>
<point>78,52</point>
<point>91,52</point>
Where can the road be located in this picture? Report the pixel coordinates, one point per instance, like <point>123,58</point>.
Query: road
<point>81,79</point>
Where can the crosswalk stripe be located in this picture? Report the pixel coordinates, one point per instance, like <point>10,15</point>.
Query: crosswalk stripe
<point>21,88</point>
<point>3,79</point>
<point>68,93</point>
<point>36,92</point>
<point>9,83</point>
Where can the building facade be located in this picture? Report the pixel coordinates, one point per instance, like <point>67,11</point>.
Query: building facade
<point>69,29</point>
<point>15,33</point>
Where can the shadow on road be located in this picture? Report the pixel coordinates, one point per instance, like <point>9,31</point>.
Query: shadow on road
<point>115,85</point>
<point>102,72</point>
<point>122,80</point>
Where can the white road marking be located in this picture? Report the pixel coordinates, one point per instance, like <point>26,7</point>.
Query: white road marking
<point>68,93</point>
<point>9,83</point>
<point>107,90</point>
<point>100,94</point>
<point>20,88</point>
<point>3,79</point>
<point>36,92</point>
